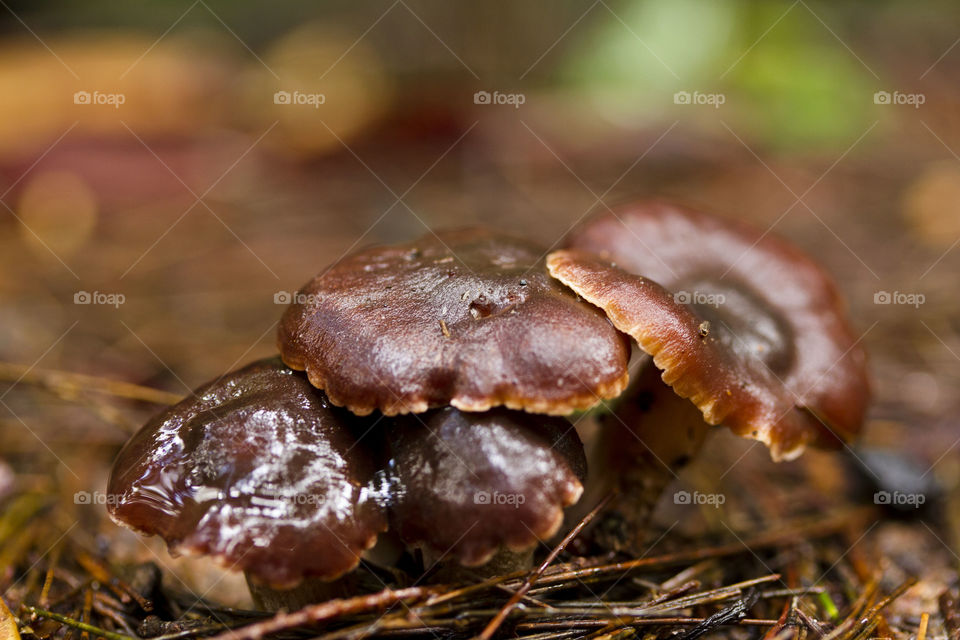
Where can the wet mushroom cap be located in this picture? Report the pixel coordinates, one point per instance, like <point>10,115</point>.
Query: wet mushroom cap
<point>787,376</point>
<point>258,471</point>
<point>467,318</point>
<point>469,484</point>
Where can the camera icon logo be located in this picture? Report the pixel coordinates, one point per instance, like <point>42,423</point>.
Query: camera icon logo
<point>681,97</point>
<point>82,497</point>
<point>881,97</point>
<point>282,97</point>
<point>682,297</point>
<point>81,97</point>
<point>82,297</point>
<point>481,497</point>
<point>682,497</point>
<point>282,297</point>
<point>482,97</point>
<point>882,497</point>
<point>882,297</point>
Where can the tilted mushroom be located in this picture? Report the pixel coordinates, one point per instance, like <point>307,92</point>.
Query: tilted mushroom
<point>466,318</point>
<point>745,326</point>
<point>482,488</point>
<point>258,471</point>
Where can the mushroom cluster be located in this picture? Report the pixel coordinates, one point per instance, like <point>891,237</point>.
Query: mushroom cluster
<point>427,394</point>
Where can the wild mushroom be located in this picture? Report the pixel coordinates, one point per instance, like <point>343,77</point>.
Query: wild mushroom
<point>461,321</point>
<point>745,326</point>
<point>260,472</point>
<point>484,489</point>
<point>464,318</point>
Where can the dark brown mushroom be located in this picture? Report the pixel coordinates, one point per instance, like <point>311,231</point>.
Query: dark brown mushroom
<point>753,331</point>
<point>748,328</point>
<point>466,318</point>
<point>482,488</point>
<point>258,471</point>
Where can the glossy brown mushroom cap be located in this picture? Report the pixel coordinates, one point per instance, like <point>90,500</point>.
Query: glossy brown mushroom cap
<point>778,375</point>
<point>470,484</point>
<point>466,318</point>
<point>256,470</point>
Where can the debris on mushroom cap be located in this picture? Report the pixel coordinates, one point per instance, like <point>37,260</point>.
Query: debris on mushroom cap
<point>807,387</point>
<point>256,470</point>
<point>467,318</point>
<point>469,484</point>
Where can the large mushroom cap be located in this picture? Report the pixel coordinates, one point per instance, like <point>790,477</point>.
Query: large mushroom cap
<point>256,470</point>
<point>467,318</point>
<point>470,484</point>
<point>749,328</point>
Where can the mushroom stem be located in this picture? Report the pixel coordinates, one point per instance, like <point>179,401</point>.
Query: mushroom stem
<point>641,444</point>
<point>448,570</point>
<point>309,591</point>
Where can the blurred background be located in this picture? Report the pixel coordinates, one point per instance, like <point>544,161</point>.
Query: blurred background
<point>170,170</point>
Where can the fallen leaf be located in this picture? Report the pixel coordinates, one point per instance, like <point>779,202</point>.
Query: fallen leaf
<point>8,626</point>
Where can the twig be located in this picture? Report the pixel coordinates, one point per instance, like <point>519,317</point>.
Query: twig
<point>638,622</point>
<point>734,613</point>
<point>87,609</point>
<point>101,572</point>
<point>115,616</point>
<point>805,530</point>
<point>76,624</point>
<point>494,624</point>
<point>871,618</point>
<point>71,382</point>
<point>48,578</point>
<point>325,611</point>
<point>922,629</point>
<point>814,625</point>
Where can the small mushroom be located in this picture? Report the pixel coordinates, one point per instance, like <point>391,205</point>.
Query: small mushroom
<point>484,489</point>
<point>260,472</point>
<point>466,318</point>
<point>745,326</point>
